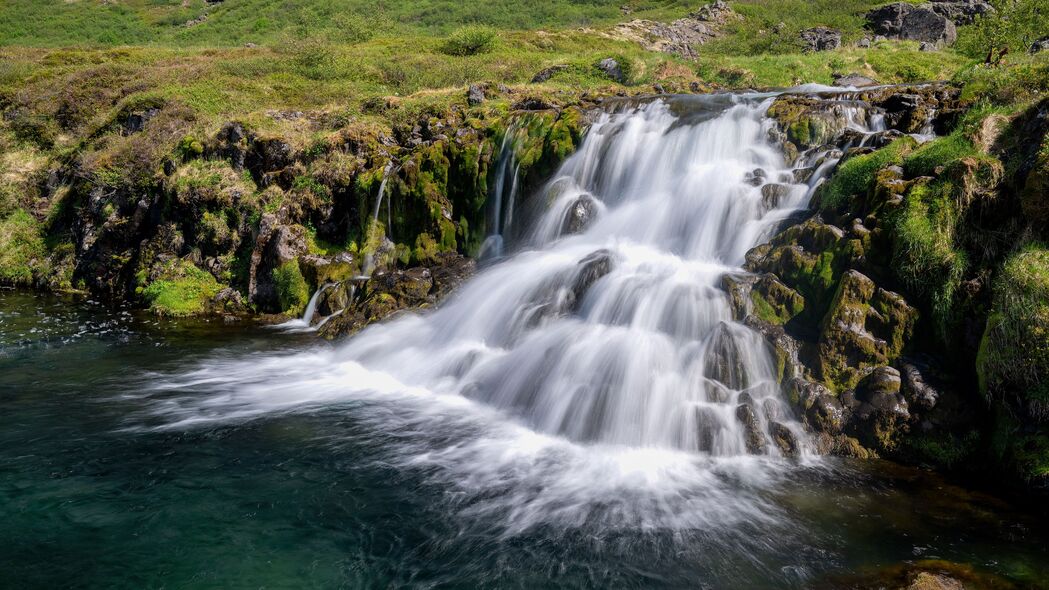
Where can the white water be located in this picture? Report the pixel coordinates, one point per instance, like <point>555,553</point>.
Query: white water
<point>369,259</point>
<point>303,324</point>
<point>503,196</point>
<point>538,408</point>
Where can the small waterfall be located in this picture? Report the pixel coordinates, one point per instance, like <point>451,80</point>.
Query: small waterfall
<point>597,375</point>
<point>303,324</point>
<point>503,197</point>
<point>369,259</point>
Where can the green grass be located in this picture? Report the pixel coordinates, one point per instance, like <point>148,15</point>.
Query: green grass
<point>23,256</point>
<point>1015,347</point>
<point>292,291</point>
<point>924,160</point>
<point>855,176</point>
<point>182,290</point>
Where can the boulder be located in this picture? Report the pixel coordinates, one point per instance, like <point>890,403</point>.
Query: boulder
<point>785,439</point>
<point>774,302</point>
<point>723,360</point>
<point>753,438</point>
<point>961,12</point>
<point>546,73</point>
<point>611,68</point>
<point>589,271</point>
<point>879,411</point>
<point>1039,46</point>
<point>579,215</point>
<point>901,20</point>
<point>772,195</point>
<point>475,95</point>
<point>865,327</point>
<point>821,39</point>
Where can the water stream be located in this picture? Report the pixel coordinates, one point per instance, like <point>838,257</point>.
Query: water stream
<point>571,413</point>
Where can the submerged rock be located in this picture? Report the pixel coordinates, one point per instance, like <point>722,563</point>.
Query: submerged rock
<point>579,215</point>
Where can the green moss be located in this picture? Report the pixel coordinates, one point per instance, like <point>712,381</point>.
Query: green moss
<point>925,253</point>
<point>1014,353</point>
<point>23,254</point>
<point>946,450</point>
<point>925,159</point>
<point>182,289</point>
<point>855,176</point>
<point>292,291</point>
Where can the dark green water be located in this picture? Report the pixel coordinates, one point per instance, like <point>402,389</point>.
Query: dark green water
<point>95,494</point>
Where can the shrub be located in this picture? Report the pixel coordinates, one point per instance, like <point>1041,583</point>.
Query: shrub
<point>469,40</point>
<point>292,292</point>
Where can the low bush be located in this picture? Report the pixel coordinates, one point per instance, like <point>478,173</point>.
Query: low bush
<point>469,40</point>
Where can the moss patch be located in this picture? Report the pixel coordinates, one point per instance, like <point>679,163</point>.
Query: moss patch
<point>182,289</point>
<point>292,291</point>
<point>855,176</point>
<point>23,255</point>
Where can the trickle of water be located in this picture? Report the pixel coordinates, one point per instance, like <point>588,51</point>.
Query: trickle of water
<point>503,196</point>
<point>598,369</point>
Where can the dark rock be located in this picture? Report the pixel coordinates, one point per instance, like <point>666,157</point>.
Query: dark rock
<point>752,435</point>
<point>546,73</point>
<point>926,46</point>
<point>589,271</point>
<point>136,121</point>
<point>724,359</point>
<point>612,69</point>
<point>879,412</point>
<point>918,393</point>
<point>820,408</point>
<point>772,195</point>
<point>910,22</point>
<point>1039,45</point>
<point>961,12</point>
<point>475,95</point>
<point>821,39</point>
<point>785,439</point>
<point>532,104</point>
<point>854,81</point>
<point>579,215</point>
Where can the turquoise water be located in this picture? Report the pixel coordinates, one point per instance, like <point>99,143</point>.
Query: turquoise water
<point>96,491</point>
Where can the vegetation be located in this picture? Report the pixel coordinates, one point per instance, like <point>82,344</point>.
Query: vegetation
<point>23,257</point>
<point>182,289</point>
<point>292,290</point>
<point>856,175</point>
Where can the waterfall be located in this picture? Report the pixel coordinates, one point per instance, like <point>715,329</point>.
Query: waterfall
<point>303,324</point>
<point>369,258</point>
<point>503,196</point>
<point>594,374</point>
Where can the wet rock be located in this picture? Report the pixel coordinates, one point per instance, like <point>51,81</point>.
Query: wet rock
<point>853,81</point>
<point>229,301</point>
<point>879,412</point>
<point>579,215</point>
<point>335,299</point>
<point>755,177</point>
<point>807,121</point>
<point>911,22</point>
<point>724,359</point>
<point>590,270</point>
<point>319,270</point>
<point>821,410</point>
<point>785,439</point>
<point>918,393</point>
<point>546,73</point>
<point>611,68</point>
<point>738,287</point>
<point>774,302</point>
<point>773,194</point>
<point>752,435</point>
<point>821,39</point>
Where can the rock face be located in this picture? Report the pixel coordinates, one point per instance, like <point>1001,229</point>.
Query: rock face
<point>913,23</point>
<point>680,37</point>
<point>612,69</point>
<point>961,12</point>
<point>821,39</point>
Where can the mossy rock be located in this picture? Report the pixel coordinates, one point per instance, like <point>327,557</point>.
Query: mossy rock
<point>179,289</point>
<point>865,327</point>
<point>807,122</point>
<point>774,302</point>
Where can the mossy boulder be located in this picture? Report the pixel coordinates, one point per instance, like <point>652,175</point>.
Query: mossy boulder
<point>865,327</point>
<point>774,302</point>
<point>807,122</point>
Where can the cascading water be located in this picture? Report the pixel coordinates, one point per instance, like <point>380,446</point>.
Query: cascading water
<point>369,259</point>
<point>594,376</point>
<point>503,195</point>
